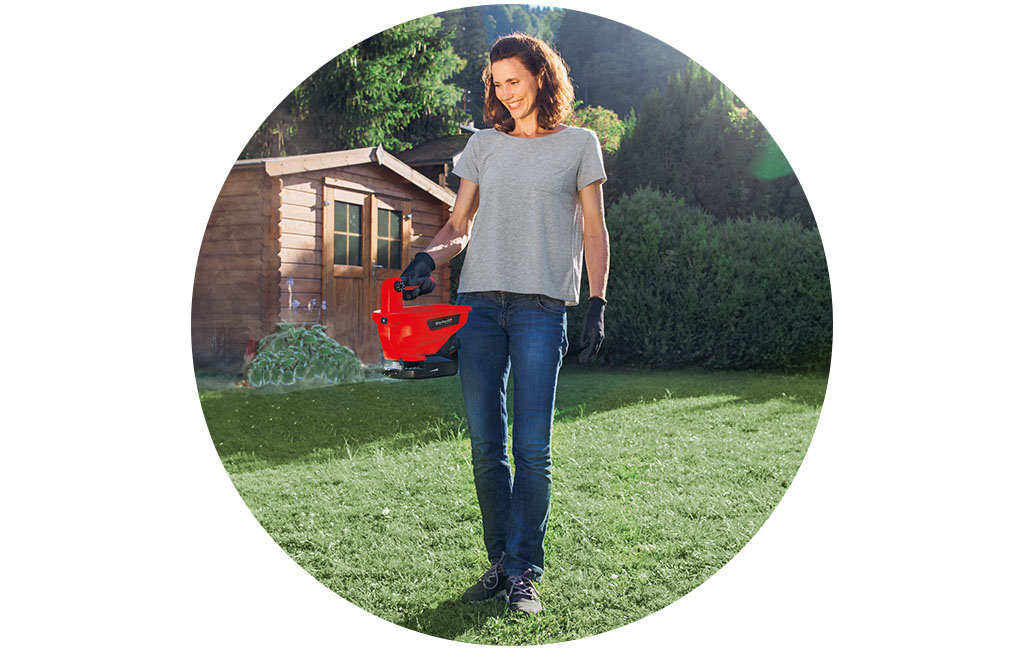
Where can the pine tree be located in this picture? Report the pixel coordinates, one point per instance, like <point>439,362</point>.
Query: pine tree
<point>611,64</point>
<point>389,89</point>
<point>698,141</point>
<point>469,41</point>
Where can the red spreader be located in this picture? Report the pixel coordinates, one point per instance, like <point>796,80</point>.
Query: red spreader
<point>421,337</point>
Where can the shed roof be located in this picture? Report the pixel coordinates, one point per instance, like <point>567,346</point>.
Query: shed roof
<point>442,150</point>
<point>317,161</point>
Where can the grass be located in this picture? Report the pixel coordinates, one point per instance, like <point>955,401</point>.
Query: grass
<point>659,479</point>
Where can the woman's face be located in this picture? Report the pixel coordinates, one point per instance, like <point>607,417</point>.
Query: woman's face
<point>515,87</point>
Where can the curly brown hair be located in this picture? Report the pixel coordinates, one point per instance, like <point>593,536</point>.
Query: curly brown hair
<point>555,97</point>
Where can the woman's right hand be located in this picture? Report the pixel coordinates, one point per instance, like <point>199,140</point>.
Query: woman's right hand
<point>417,276</point>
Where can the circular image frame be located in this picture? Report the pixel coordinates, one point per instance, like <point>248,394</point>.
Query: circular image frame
<point>257,465</point>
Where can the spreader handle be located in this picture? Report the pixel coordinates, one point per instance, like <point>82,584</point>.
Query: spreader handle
<point>401,286</point>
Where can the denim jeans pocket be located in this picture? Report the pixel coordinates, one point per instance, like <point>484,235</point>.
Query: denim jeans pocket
<point>552,306</point>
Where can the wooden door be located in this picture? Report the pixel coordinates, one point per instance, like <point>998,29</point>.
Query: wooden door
<point>366,240</point>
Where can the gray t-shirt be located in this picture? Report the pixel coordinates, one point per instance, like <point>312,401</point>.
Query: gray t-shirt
<point>527,236</point>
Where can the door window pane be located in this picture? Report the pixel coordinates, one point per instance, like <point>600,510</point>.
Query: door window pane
<point>389,238</point>
<point>396,255</point>
<point>340,249</point>
<point>353,250</point>
<point>348,228</point>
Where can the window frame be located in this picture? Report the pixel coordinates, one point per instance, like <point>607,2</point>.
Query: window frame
<point>336,190</point>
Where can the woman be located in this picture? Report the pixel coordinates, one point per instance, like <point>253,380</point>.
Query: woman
<point>530,201</point>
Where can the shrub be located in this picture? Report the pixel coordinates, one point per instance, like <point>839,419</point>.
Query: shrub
<point>296,353</point>
<point>685,289</point>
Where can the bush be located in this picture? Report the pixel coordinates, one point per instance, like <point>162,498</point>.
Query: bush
<point>685,289</point>
<point>296,353</point>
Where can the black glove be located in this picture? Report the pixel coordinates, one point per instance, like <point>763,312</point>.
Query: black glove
<point>592,332</point>
<point>417,275</point>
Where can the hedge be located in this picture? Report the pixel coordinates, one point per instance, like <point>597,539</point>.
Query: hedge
<point>685,290</point>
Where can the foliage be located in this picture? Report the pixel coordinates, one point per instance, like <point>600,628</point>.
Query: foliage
<point>389,89</point>
<point>686,289</point>
<point>470,42</point>
<point>501,20</point>
<point>613,65</point>
<point>455,274</point>
<point>297,353</point>
<point>602,121</point>
<point>699,142</point>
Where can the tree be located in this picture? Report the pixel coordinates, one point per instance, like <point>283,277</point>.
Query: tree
<point>613,65</point>
<point>540,22</point>
<point>605,123</point>
<point>469,41</point>
<point>389,89</point>
<point>698,141</point>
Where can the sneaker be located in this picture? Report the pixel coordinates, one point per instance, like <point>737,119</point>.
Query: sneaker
<point>522,595</point>
<point>490,585</point>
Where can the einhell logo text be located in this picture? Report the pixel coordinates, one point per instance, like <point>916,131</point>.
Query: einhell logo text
<point>447,321</point>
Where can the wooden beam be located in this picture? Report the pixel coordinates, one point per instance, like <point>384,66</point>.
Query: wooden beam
<point>370,237</point>
<point>320,161</point>
<point>405,227</point>
<point>315,161</point>
<point>343,271</point>
<point>385,159</point>
<point>348,184</point>
<point>327,249</point>
<point>270,312</point>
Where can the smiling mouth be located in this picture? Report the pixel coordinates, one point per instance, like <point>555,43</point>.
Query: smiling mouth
<point>514,104</point>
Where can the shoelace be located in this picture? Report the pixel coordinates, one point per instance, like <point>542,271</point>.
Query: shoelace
<point>520,586</point>
<point>490,577</point>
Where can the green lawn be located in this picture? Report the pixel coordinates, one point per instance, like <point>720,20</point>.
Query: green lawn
<point>659,479</point>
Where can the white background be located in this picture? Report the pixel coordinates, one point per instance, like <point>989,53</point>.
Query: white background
<point>120,526</point>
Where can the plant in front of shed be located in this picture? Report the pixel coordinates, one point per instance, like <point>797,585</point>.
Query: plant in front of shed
<point>296,354</point>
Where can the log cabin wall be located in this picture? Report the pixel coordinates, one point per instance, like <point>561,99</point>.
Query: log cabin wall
<point>301,231</point>
<point>231,285</point>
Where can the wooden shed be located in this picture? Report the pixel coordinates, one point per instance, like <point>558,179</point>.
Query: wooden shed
<point>309,239</point>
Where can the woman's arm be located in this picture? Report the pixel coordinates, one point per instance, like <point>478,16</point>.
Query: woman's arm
<point>452,238</point>
<point>595,238</point>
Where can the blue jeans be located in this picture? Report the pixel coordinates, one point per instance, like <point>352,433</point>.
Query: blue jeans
<point>525,333</point>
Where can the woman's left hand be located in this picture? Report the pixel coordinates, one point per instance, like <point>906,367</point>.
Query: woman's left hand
<point>592,332</point>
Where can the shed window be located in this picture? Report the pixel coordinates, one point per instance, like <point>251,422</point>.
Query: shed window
<point>348,233</point>
<point>389,238</point>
